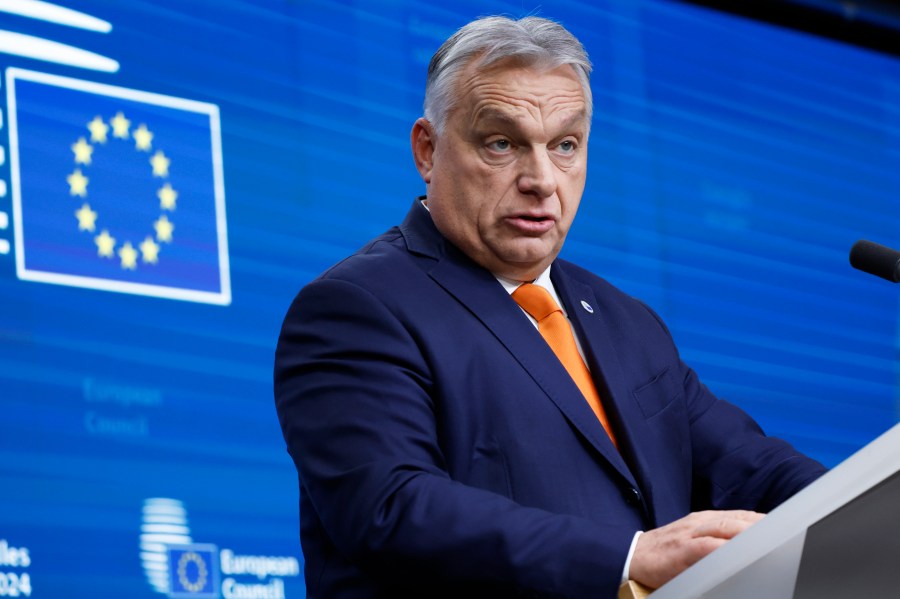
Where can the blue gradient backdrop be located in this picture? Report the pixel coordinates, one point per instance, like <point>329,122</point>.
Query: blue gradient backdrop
<point>732,166</point>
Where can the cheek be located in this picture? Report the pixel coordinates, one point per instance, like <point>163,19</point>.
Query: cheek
<point>457,216</point>
<point>570,205</point>
<point>570,195</point>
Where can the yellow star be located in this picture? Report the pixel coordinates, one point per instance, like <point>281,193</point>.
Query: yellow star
<point>105,244</point>
<point>120,125</point>
<point>150,250</point>
<point>160,164</point>
<point>83,151</point>
<point>87,218</point>
<point>142,138</point>
<point>129,256</point>
<point>167,197</point>
<point>98,130</point>
<point>164,229</point>
<point>77,183</point>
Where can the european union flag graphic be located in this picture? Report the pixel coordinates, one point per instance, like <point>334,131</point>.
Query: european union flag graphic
<point>117,189</point>
<point>193,571</point>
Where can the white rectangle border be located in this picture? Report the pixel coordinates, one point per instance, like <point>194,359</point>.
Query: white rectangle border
<point>222,298</point>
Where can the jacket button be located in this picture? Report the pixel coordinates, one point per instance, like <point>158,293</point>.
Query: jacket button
<point>632,496</point>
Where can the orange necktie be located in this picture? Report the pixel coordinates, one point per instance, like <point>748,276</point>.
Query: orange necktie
<point>555,329</point>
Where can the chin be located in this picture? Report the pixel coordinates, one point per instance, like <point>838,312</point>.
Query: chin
<point>534,259</point>
<point>523,271</point>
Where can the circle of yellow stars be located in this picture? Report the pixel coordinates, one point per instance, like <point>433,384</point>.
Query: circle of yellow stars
<point>107,245</point>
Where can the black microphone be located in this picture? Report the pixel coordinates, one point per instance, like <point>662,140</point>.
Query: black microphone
<point>876,259</point>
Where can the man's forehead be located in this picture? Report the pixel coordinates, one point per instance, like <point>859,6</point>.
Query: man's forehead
<point>565,110</point>
<point>508,94</point>
<point>500,91</point>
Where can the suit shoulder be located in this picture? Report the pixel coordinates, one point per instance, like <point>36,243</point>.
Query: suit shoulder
<point>378,254</point>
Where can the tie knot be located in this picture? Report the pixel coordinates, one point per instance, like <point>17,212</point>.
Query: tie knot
<point>535,300</point>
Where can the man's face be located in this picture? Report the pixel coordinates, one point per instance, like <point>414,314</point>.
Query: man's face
<point>506,174</point>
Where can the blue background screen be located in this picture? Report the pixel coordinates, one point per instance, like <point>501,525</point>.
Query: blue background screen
<point>732,165</point>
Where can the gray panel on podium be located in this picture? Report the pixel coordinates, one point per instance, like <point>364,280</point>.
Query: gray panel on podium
<point>845,552</point>
<point>773,575</point>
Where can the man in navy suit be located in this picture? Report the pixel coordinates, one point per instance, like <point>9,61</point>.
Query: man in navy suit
<point>442,447</point>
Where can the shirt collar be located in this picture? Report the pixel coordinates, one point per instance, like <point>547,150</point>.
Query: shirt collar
<point>543,280</point>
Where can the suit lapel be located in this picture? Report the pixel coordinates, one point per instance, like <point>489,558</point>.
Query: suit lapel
<point>486,299</point>
<point>593,328</point>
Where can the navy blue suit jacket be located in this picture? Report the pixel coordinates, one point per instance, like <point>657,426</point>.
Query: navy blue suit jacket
<point>443,449</point>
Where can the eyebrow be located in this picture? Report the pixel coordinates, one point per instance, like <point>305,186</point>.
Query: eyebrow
<point>493,115</point>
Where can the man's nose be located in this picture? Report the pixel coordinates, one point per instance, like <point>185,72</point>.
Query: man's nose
<point>537,174</point>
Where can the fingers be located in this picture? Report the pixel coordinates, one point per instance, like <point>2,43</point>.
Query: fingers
<point>725,524</point>
<point>663,553</point>
<point>700,547</point>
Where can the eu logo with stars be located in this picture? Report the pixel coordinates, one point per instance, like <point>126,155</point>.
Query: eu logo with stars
<point>193,571</point>
<point>117,189</point>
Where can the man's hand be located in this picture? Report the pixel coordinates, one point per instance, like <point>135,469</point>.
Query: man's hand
<point>663,553</point>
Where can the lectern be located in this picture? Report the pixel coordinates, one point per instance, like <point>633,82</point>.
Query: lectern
<point>838,538</point>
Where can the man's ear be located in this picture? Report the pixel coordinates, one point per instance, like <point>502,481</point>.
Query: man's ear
<point>422,140</point>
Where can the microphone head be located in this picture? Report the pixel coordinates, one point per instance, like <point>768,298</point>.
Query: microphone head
<point>876,259</point>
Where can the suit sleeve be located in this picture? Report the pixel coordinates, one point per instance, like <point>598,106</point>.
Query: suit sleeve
<point>735,465</point>
<point>355,399</point>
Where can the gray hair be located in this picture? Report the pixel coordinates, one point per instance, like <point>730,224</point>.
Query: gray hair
<point>532,41</point>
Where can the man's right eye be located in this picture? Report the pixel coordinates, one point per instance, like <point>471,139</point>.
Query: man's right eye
<point>499,145</point>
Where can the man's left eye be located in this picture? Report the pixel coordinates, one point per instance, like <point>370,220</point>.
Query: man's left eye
<point>567,147</point>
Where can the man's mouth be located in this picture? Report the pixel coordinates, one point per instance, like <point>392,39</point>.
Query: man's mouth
<point>532,223</point>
